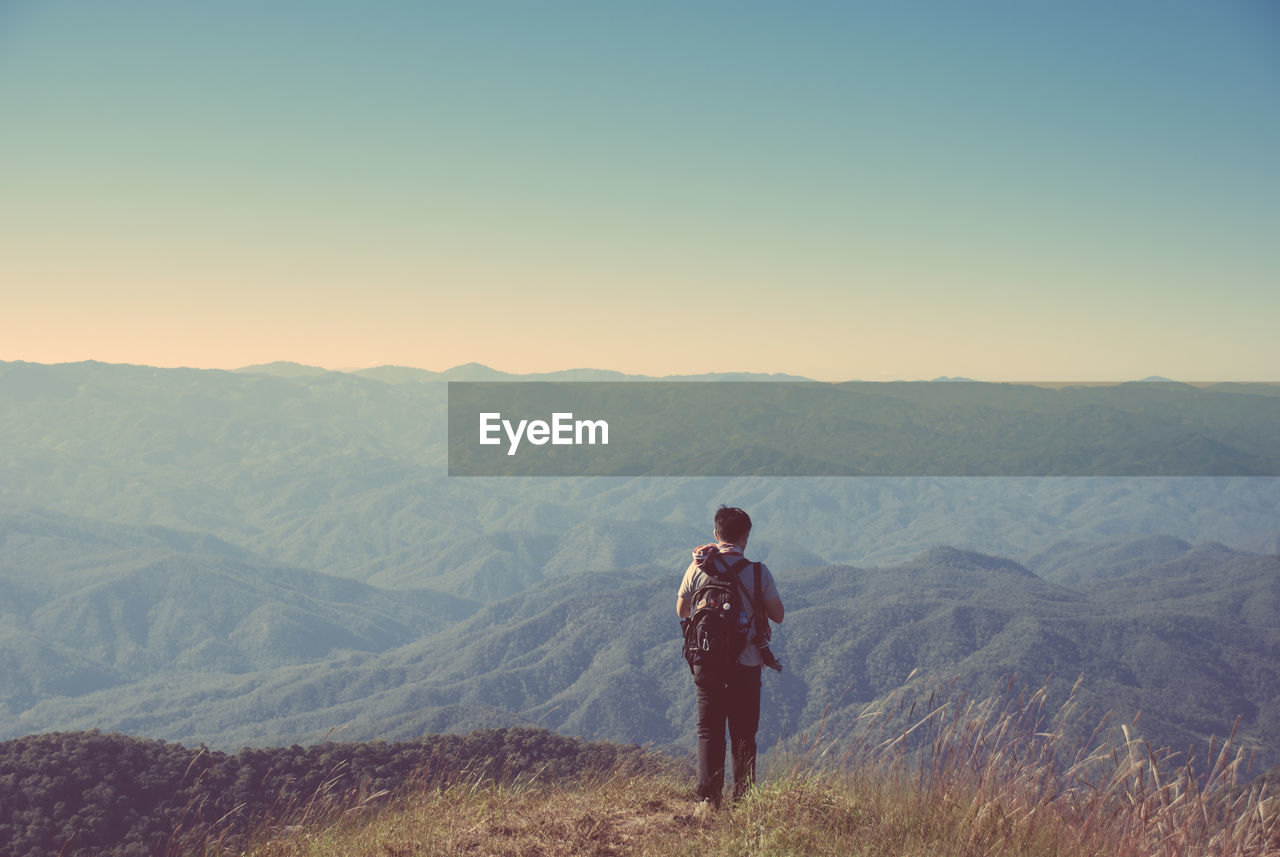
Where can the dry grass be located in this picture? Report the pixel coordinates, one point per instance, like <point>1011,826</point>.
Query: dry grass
<point>1009,779</point>
<point>612,817</point>
<point>996,777</point>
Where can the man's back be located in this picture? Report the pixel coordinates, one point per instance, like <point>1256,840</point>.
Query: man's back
<point>726,558</point>
<point>730,693</point>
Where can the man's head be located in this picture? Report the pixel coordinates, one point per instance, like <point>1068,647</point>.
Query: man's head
<point>732,525</point>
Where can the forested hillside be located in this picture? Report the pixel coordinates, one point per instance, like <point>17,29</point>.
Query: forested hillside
<point>89,793</point>
<point>228,654</point>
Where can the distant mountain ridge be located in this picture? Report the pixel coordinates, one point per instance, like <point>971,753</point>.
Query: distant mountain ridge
<point>480,372</point>
<point>474,371</point>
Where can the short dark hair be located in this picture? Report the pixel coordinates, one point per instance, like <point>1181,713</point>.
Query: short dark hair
<point>732,524</point>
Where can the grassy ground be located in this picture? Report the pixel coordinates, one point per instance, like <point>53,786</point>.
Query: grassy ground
<point>646,816</point>
<point>964,778</point>
<point>798,814</point>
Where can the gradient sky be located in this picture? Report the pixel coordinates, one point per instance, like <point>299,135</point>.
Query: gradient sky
<point>1006,191</point>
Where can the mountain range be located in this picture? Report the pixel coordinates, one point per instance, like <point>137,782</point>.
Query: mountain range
<point>265,556</point>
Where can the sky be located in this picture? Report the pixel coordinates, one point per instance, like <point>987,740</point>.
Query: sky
<point>860,190</point>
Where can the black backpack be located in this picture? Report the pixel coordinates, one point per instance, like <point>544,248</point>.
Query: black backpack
<point>716,631</point>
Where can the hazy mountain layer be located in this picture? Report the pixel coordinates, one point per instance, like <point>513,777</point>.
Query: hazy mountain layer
<point>242,558</point>
<point>198,647</point>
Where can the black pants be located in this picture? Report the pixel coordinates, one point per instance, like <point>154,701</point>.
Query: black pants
<point>732,696</point>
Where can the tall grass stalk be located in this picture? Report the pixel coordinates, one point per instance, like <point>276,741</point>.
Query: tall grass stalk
<point>1008,772</point>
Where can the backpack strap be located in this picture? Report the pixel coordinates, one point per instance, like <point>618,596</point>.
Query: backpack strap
<point>760,620</point>
<point>732,573</point>
<point>757,604</point>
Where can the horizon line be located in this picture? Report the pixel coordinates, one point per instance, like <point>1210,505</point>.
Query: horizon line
<point>308,368</point>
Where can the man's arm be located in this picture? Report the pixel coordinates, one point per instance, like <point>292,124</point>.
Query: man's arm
<point>684,595</point>
<point>772,608</point>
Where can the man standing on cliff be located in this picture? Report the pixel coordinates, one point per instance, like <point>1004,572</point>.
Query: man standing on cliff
<point>730,693</point>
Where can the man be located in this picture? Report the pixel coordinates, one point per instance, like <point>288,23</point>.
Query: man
<point>730,694</point>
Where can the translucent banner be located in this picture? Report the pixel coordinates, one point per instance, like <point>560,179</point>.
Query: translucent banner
<point>762,428</point>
